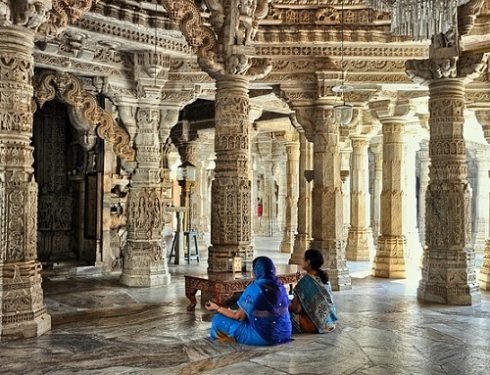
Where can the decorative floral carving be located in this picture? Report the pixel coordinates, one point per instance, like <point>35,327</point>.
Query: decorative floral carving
<point>64,12</point>
<point>70,89</point>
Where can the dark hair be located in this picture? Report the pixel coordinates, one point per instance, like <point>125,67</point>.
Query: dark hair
<point>315,258</point>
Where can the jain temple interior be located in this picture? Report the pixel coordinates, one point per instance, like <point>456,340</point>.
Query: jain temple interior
<point>149,150</point>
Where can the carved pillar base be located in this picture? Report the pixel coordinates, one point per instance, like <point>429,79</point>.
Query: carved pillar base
<point>335,264</point>
<point>144,265</point>
<point>389,261</point>
<point>359,244</point>
<point>24,313</point>
<point>485,269</point>
<point>301,244</point>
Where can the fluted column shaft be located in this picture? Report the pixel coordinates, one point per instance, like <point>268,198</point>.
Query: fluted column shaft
<point>389,260</point>
<point>448,272</point>
<point>303,235</point>
<point>22,309</point>
<point>231,189</point>
<point>291,209</point>
<point>327,210</point>
<point>360,240</point>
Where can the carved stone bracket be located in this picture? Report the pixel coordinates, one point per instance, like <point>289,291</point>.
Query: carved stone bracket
<point>70,90</point>
<point>468,67</point>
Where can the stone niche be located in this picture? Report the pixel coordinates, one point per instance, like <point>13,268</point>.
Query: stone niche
<point>65,165</point>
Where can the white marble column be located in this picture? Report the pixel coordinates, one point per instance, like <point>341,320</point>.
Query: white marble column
<point>424,163</point>
<point>413,250</point>
<point>390,253</point>
<point>482,208</point>
<point>292,177</point>
<point>377,150</point>
<point>345,156</point>
<point>303,235</point>
<point>360,238</point>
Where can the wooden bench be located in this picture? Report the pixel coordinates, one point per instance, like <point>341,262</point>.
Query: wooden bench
<point>223,286</point>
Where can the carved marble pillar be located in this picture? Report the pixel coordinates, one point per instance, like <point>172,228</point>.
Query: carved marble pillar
<point>190,152</point>
<point>377,150</point>
<point>278,187</point>
<point>413,249</point>
<point>390,253</point>
<point>424,162</point>
<point>291,213</point>
<point>303,235</point>
<point>231,189</point>
<point>482,209</point>
<point>483,117</point>
<point>144,258</point>
<point>327,209</point>
<point>360,238</point>
<point>345,158</point>
<point>448,273</point>
<point>22,310</point>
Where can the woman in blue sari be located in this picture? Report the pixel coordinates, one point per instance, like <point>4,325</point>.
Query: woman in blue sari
<point>312,308</point>
<point>262,318</point>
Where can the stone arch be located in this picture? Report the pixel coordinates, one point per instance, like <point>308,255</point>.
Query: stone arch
<point>68,88</point>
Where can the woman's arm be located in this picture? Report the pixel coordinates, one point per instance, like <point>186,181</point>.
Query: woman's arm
<point>232,314</point>
<point>295,306</point>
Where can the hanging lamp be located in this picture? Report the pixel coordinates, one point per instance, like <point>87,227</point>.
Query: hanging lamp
<point>342,112</point>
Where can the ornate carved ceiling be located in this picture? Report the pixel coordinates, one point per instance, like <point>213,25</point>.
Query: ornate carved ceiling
<point>301,37</point>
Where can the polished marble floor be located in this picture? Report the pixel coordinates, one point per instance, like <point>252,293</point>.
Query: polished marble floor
<point>101,327</point>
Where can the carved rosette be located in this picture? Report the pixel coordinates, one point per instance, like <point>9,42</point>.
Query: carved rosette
<point>231,190</point>
<point>448,273</point>
<point>24,314</point>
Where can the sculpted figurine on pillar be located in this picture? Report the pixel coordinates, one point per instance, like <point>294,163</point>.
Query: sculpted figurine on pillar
<point>448,271</point>
<point>224,51</point>
<point>22,309</point>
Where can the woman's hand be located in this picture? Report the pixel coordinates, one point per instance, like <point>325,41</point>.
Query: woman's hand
<point>211,306</point>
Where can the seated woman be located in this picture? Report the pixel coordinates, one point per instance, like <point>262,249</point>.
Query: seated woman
<point>312,308</point>
<point>262,318</point>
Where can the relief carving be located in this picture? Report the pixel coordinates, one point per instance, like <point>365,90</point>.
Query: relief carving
<point>70,90</point>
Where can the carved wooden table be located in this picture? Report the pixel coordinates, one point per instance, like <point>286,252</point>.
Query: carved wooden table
<point>223,286</point>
